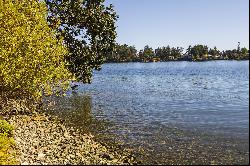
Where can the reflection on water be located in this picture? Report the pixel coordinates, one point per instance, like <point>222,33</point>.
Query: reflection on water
<point>76,110</point>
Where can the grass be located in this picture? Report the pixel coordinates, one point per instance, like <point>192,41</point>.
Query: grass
<point>7,144</point>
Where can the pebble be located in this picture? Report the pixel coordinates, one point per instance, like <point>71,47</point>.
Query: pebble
<point>42,140</point>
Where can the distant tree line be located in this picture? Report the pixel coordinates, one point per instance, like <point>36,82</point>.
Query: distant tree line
<point>126,53</point>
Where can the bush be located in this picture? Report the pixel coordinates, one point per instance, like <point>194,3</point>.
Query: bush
<point>31,57</point>
<point>7,153</point>
<point>6,128</point>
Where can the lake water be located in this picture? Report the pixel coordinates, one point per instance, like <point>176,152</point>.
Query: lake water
<point>176,112</point>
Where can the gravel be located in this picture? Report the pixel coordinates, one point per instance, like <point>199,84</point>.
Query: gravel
<point>43,139</point>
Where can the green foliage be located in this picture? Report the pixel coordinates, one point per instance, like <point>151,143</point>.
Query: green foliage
<point>167,53</point>
<point>214,51</point>
<point>6,128</point>
<point>31,57</point>
<point>148,52</point>
<point>7,155</point>
<point>198,51</point>
<point>244,51</point>
<point>123,53</point>
<point>88,28</point>
<point>241,54</point>
<point>163,53</point>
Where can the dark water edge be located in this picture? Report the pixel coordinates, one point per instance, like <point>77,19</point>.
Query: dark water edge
<point>164,145</point>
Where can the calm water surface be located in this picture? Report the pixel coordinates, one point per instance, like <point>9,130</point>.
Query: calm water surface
<point>176,106</point>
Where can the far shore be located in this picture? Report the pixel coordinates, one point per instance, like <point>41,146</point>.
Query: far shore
<point>177,61</point>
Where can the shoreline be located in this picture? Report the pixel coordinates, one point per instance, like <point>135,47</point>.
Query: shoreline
<point>44,139</point>
<point>208,60</point>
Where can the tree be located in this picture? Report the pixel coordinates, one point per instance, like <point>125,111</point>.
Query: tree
<point>244,53</point>
<point>148,52</point>
<point>167,53</point>
<point>140,54</point>
<point>122,53</point>
<point>31,57</point>
<point>163,53</point>
<point>88,29</point>
<point>132,53</point>
<point>197,51</point>
<point>231,54</point>
<point>176,52</point>
<point>214,52</point>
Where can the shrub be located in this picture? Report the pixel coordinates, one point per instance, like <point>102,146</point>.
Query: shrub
<point>7,152</point>
<point>6,128</point>
<point>31,57</point>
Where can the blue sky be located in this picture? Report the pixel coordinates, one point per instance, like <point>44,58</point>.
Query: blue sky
<point>220,23</point>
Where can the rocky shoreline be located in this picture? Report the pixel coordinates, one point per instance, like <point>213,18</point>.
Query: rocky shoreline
<point>42,139</point>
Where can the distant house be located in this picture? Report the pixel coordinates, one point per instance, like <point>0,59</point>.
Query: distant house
<point>156,59</point>
<point>217,57</point>
<point>209,56</point>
